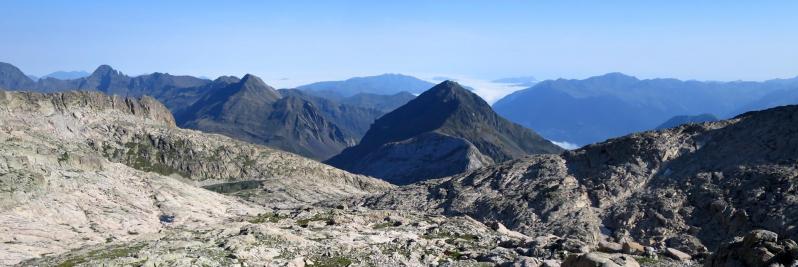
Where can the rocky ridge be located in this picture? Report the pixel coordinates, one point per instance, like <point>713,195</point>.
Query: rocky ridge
<point>680,191</point>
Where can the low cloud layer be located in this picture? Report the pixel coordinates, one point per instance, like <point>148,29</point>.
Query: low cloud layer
<point>488,90</point>
<point>565,145</point>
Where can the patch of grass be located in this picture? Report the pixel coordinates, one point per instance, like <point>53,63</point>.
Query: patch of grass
<point>266,217</point>
<point>384,225</point>
<point>451,236</point>
<point>453,254</point>
<point>102,254</point>
<point>327,217</point>
<point>647,260</point>
<point>337,261</point>
<point>64,157</point>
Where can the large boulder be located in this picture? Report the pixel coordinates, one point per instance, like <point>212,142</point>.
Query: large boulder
<point>599,259</point>
<point>757,248</point>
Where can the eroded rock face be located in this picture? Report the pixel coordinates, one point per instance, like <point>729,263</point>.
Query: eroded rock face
<point>758,248</point>
<point>535,196</point>
<point>686,189</point>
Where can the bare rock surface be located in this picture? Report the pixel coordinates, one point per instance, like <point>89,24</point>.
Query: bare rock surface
<point>312,237</point>
<point>84,168</point>
<point>683,189</point>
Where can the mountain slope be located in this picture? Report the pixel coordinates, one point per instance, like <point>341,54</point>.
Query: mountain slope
<point>455,115</point>
<point>683,119</point>
<point>383,103</point>
<point>252,111</point>
<point>354,120</point>
<point>690,188</point>
<point>594,109</point>
<point>385,84</point>
<point>67,75</point>
<point>13,78</point>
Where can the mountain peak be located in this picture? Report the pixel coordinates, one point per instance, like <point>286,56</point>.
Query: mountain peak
<point>446,113</point>
<point>105,70</point>
<point>12,77</point>
<point>617,76</point>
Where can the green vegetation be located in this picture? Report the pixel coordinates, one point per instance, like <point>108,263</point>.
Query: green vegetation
<point>384,225</point>
<point>327,217</point>
<point>451,236</point>
<point>102,254</point>
<point>266,217</point>
<point>643,261</point>
<point>142,156</point>
<point>337,261</point>
<point>64,157</point>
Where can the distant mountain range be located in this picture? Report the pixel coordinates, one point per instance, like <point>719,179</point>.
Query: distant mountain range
<point>594,109</point>
<point>247,108</point>
<point>385,84</point>
<point>444,131</point>
<point>67,75</point>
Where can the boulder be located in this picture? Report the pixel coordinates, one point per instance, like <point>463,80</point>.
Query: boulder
<point>610,247</point>
<point>759,248</point>
<point>633,248</point>
<point>677,254</point>
<point>599,259</point>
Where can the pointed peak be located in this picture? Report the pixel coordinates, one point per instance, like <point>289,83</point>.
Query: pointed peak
<point>226,80</point>
<point>250,79</point>
<point>448,87</point>
<point>252,83</point>
<point>104,70</point>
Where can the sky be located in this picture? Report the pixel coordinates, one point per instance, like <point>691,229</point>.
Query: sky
<point>290,43</point>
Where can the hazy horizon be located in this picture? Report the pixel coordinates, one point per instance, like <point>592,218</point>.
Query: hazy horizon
<point>288,44</point>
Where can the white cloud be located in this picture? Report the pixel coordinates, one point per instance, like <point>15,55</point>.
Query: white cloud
<point>488,90</point>
<point>565,145</point>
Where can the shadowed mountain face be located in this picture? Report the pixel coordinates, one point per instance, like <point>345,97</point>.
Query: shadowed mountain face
<point>594,109</point>
<point>447,117</point>
<point>383,103</point>
<point>250,110</point>
<point>13,78</point>
<point>684,119</point>
<point>386,84</point>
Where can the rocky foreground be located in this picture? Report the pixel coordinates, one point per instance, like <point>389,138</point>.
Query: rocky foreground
<point>93,180</point>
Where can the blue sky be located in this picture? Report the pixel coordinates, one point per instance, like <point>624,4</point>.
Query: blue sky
<point>293,42</point>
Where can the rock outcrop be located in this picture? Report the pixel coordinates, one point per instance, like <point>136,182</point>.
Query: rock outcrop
<point>759,248</point>
<point>684,189</point>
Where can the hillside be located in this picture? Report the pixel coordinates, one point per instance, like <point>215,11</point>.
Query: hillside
<point>445,130</point>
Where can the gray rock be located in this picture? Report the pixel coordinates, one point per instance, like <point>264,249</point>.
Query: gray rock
<point>759,248</point>
<point>598,259</point>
